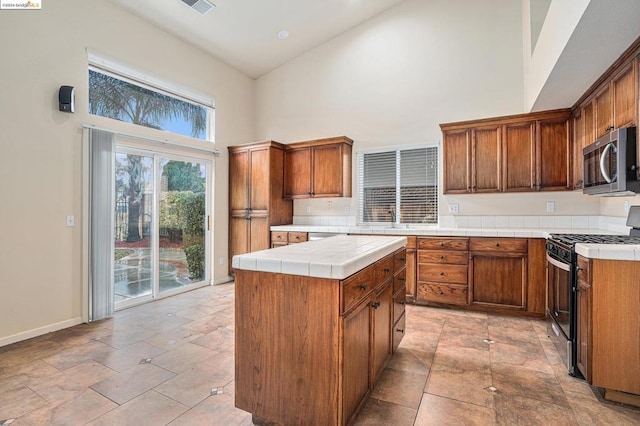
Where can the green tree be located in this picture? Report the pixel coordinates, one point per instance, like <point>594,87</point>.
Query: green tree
<point>117,99</point>
<point>182,176</point>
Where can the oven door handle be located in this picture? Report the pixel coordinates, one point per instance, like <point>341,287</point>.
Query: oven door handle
<point>558,264</point>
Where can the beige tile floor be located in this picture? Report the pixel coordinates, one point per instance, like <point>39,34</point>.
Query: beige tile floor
<point>171,362</point>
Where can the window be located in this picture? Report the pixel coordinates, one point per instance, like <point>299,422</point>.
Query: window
<point>402,180</point>
<point>127,95</point>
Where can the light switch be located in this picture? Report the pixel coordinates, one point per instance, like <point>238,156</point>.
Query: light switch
<point>71,220</point>
<point>453,208</point>
<point>551,207</point>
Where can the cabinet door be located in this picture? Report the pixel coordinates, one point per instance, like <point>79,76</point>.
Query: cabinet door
<point>553,155</point>
<point>382,325</point>
<point>357,339</point>
<point>456,156</point>
<point>297,173</point>
<point>239,182</point>
<point>327,171</point>
<point>259,235</point>
<point>603,112</point>
<point>485,159</point>
<point>589,124</point>
<point>239,235</point>
<point>624,97</point>
<point>259,180</point>
<point>499,280</point>
<point>518,157</point>
<point>578,144</point>
<point>584,318</point>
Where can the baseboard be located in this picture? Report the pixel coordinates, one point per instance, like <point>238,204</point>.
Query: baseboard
<point>29,334</point>
<point>223,280</point>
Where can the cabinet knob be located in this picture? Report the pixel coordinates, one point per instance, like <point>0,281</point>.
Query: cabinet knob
<point>442,274</point>
<point>441,257</point>
<point>401,279</point>
<point>441,244</point>
<point>363,286</point>
<point>279,237</point>
<point>400,330</point>
<point>376,305</point>
<point>401,259</point>
<point>497,244</point>
<point>441,292</point>
<point>579,269</point>
<point>387,270</point>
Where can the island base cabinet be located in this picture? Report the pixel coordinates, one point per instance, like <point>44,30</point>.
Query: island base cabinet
<point>309,350</point>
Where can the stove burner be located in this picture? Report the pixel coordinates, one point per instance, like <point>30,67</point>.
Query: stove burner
<point>572,239</point>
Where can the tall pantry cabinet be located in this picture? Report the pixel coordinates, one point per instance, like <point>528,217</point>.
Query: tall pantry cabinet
<point>256,184</point>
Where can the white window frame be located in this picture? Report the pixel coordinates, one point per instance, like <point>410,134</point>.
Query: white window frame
<point>397,150</point>
<point>105,65</point>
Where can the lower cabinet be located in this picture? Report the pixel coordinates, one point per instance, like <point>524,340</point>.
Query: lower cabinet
<point>309,350</point>
<point>283,238</point>
<point>443,271</point>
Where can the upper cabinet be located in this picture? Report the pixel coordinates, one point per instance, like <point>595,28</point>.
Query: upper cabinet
<point>318,168</point>
<point>611,103</point>
<point>518,153</point>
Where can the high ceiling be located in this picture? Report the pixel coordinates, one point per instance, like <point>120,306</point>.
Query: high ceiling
<point>243,33</point>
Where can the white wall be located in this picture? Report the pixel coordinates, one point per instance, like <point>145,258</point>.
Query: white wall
<point>392,80</point>
<point>41,148</point>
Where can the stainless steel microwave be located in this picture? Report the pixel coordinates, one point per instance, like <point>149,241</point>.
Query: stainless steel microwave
<point>610,165</point>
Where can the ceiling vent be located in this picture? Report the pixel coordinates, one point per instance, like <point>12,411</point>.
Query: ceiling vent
<point>200,6</point>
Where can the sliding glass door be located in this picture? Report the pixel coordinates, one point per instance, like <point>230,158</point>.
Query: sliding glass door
<point>161,225</point>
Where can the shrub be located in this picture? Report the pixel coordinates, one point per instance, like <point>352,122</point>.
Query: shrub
<point>195,261</point>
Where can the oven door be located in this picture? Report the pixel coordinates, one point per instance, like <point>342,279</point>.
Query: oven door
<point>561,309</point>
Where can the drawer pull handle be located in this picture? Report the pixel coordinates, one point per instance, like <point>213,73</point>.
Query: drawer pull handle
<point>400,330</point>
<point>387,270</point>
<point>363,286</point>
<point>401,259</point>
<point>401,279</point>
<point>376,305</point>
<point>442,274</point>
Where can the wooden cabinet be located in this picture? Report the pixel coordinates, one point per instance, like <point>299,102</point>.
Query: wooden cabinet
<point>318,168</point>
<point>442,275</point>
<point>283,238</point>
<point>611,103</point>
<point>410,275</point>
<point>584,325</point>
<point>255,196</point>
<point>609,326</point>
<point>525,152</point>
<point>498,272</point>
<point>313,353</point>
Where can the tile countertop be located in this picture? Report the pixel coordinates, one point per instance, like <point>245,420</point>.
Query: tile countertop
<point>336,257</point>
<point>592,251</point>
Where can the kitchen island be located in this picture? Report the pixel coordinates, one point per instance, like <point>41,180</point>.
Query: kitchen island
<point>315,325</point>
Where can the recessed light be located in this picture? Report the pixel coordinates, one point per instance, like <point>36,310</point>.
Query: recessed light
<point>284,34</point>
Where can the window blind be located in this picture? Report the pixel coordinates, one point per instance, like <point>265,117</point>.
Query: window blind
<point>399,185</point>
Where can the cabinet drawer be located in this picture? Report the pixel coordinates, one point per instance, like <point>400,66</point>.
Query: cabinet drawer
<point>297,237</point>
<point>443,256</point>
<point>443,243</point>
<point>456,274</point>
<point>399,301</point>
<point>399,259</point>
<point>399,280</point>
<point>398,331</point>
<point>454,294</point>
<point>384,268</point>
<point>279,237</point>
<point>506,245</point>
<point>358,286</point>
<point>276,244</point>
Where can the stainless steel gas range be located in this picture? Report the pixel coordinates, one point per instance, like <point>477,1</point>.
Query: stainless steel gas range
<point>561,289</point>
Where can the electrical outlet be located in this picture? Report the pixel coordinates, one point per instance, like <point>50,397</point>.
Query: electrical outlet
<point>329,204</point>
<point>71,220</point>
<point>551,207</point>
<point>308,209</point>
<point>626,207</point>
<point>221,260</point>
<point>347,209</point>
<point>453,208</point>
